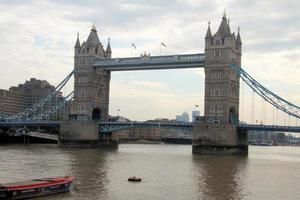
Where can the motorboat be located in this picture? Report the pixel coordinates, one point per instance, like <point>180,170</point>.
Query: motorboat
<point>35,188</point>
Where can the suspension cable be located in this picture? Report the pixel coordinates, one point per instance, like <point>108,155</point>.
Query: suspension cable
<point>272,98</point>
<point>265,116</point>
<point>273,113</point>
<point>242,103</point>
<point>276,115</point>
<point>262,111</point>
<point>252,106</point>
<point>33,110</point>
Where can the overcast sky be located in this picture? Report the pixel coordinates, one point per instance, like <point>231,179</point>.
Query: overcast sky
<point>38,36</point>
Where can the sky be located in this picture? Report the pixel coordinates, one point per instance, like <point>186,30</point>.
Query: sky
<point>38,37</point>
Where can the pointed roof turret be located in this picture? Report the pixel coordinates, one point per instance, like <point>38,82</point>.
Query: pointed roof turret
<point>93,39</point>
<point>77,44</point>
<point>224,14</point>
<point>238,37</point>
<point>228,26</point>
<point>94,27</point>
<point>224,28</point>
<point>208,33</point>
<point>108,48</point>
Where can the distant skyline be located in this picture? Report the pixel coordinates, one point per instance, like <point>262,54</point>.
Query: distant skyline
<point>38,37</point>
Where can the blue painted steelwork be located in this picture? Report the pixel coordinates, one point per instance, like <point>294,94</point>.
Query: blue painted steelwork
<point>107,127</point>
<point>267,95</point>
<point>43,135</point>
<point>152,62</point>
<point>30,112</point>
<point>45,115</point>
<point>30,123</point>
<point>295,129</point>
<point>2,117</point>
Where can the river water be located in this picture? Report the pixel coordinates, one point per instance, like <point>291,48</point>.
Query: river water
<point>168,172</point>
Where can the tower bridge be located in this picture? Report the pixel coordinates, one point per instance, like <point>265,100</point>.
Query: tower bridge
<point>92,72</point>
<point>219,131</point>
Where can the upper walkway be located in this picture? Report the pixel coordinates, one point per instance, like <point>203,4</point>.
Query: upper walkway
<point>152,62</point>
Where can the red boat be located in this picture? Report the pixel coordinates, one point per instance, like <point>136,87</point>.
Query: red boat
<point>35,188</point>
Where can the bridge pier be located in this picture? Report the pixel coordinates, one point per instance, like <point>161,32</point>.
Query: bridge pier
<point>223,139</point>
<point>84,134</point>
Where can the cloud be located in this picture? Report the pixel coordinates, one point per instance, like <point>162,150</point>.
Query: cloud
<point>139,100</point>
<point>150,84</point>
<point>37,40</point>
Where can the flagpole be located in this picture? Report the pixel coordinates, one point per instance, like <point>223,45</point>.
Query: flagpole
<point>160,49</point>
<point>162,44</point>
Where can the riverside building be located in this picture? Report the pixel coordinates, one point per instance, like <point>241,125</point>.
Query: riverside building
<point>18,98</point>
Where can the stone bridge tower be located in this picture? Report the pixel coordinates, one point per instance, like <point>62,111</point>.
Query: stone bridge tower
<point>91,86</point>
<point>216,132</point>
<point>91,93</point>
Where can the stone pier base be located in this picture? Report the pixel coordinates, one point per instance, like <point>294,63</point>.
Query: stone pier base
<point>84,134</point>
<point>219,139</point>
<point>220,150</point>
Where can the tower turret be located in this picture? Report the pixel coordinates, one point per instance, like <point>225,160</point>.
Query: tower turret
<point>239,41</point>
<point>208,37</point>
<point>224,29</point>
<point>77,46</point>
<point>108,50</point>
<point>93,44</point>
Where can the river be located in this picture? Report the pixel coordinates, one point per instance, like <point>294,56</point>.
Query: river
<point>168,172</point>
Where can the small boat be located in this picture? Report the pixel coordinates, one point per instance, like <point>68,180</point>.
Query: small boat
<point>134,179</point>
<point>35,188</point>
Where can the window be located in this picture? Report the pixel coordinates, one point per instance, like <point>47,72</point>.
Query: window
<point>81,94</point>
<point>218,53</point>
<point>82,79</point>
<point>216,92</point>
<point>81,107</point>
<point>82,60</point>
<point>217,75</point>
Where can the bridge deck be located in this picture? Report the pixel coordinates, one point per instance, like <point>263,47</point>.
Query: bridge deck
<point>113,126</point>
<point>152,62</point>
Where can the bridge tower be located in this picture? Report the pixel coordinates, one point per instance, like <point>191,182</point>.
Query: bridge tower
<point>91,93</point>
<point>216,132</point>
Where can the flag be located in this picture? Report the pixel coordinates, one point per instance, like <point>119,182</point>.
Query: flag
<point>133,45</point>
<point>163,44</point>
<point>196,105</point>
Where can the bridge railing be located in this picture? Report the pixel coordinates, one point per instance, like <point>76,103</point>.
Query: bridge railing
<point>269,127</point>
<point>116,126</point>
<point>151,60</point>
<point>146,122</point>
